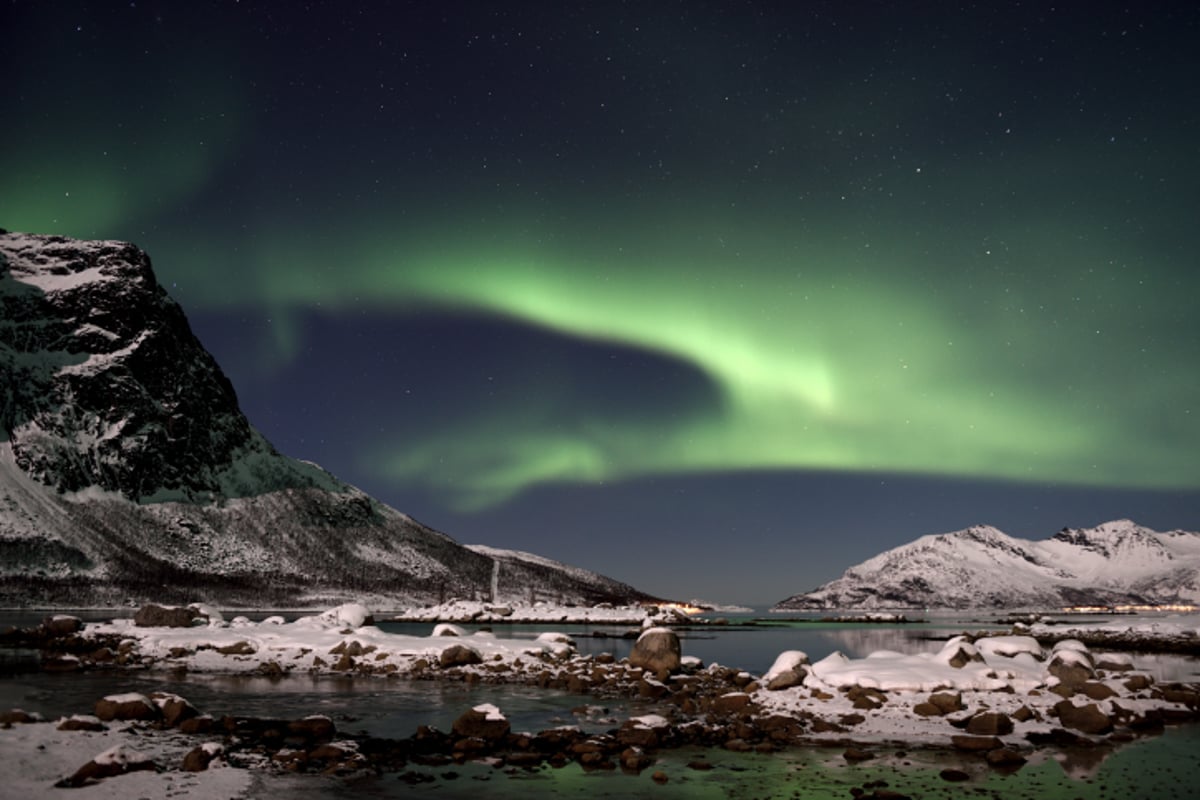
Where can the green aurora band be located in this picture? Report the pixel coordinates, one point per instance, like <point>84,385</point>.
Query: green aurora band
<point>823,355</point>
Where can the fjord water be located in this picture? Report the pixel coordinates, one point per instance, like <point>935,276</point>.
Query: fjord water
<point>1155,767</point>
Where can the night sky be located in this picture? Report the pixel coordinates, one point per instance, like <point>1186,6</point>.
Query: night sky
<point>714,298</point>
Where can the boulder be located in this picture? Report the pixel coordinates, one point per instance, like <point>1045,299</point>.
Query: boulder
<point>730,702</point>
<point>314,729</point>
<point>990,723</point>
<point>657,650</point>
<point>947,702</point>
<point>156,616</point>
<point>174,708</point>
<point>482,722</point>
<point>126,707</point>
<point>1085,719</point>
<point>199,757</point>
<point>62,625</point>
<point>459,655</point>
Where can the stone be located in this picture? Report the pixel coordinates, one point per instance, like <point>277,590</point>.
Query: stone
<point>314,729</point>
<point>786,680</point>
<point>126,707</point>
<point>947,702</point>
<point>1096,691</point>
<point>459,655</point>
<point>1138,683</point>
<point>659,777</point>
<point>657,650</point>
<point>730,703</point>
<point>1069,669</point>
<point>483,722</point>
<point>634,759</point>
<point>156,616</point>
<point>174,708</point>
<point>62,625</point>
<point>927,710</point>
<point>18,716</point>
<point>857,754</point>
<point>990,723</point>
<point>198,758</point>
<point>954,775</point>
<point>241,648</point>
<point>1085,719</point>
<point>82,723</point>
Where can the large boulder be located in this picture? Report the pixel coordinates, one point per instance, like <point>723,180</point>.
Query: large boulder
<point>482,722</point>
<point>657,650</point>
<point>127,707</point>
<point>459,655</point>
<point>156,616</point>
<point>1086,719</point>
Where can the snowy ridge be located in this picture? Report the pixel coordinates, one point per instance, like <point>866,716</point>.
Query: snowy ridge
<point>1116,563</point>
<point>537,573</point>
<point>127,470</point>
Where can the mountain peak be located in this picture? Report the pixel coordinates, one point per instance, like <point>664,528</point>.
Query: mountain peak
<point>1118,562</point>
<point>127,469</point>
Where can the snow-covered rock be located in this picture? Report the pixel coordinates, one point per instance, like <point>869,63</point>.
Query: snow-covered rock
<point>1117,563</point>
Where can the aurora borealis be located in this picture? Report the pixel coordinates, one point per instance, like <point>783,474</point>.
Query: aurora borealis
<point>626,282</point>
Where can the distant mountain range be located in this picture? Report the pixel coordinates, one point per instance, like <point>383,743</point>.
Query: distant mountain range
<point>1117,563</point>
<point>128,472</point>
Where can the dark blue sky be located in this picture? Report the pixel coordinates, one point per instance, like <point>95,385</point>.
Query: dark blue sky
<point>715,298</point>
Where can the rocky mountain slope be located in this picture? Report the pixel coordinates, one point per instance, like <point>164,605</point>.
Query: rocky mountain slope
<point>1116,563</point>
<point>127,471</point>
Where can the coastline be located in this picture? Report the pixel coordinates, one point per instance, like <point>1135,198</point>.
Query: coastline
<point>1005,699</point>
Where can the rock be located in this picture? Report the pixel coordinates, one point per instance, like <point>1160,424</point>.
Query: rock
<point>82,723</point>
<point>198,725</point>
<point>954,775</point>
<point>459,655</point>
<point>18,716</point>
<point>656,650</point>
<point>927,710</point>
<point>1138,683</point>
<point>126,707</point>
<point>240,648</point>
<point>633,759</point>
<point>659,777</point>
<point>1096,691</point>
<point>174,708</point>
<point>314,729</point>
<point>156,616</point>
<point>1086,719</point>
<point>115,761</point>
<point>976,744</point>
<point>786,680</point>
<point>947,702</point>
<point>730,702</point>
<point>990,723</point>
<point>198,758</point>
<point>482,722</point>
<point>1071,668</point>
<point>857,754</point>
<point>61,625</point>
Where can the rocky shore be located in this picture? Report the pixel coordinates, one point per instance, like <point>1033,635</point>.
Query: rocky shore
<point>1001,698</point>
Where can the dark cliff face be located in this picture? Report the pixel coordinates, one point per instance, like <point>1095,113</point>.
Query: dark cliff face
<point>104,387</point>
<point>105,383</point>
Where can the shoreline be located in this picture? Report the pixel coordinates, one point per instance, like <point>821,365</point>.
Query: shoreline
<point>1001,699</point>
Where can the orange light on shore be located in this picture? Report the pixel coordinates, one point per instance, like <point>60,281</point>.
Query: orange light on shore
<point>1130,609</point>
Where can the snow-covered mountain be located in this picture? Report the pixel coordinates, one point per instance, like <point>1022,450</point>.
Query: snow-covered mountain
<point>1116,563</point>
<point>127,470</point>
